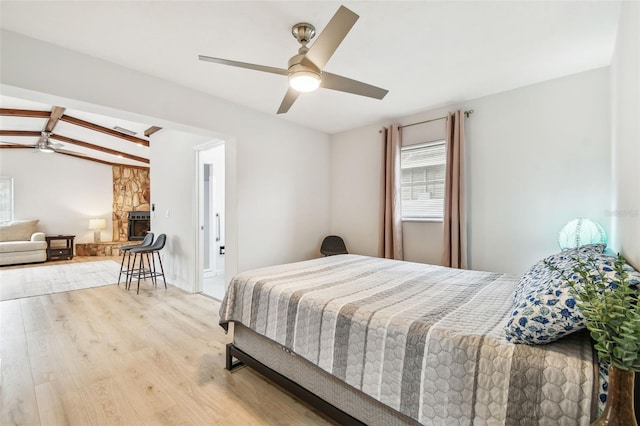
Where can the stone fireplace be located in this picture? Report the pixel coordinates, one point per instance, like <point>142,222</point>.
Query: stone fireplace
<point>131,194</point>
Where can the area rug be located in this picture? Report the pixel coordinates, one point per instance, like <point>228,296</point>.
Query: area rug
<point>40,280</point>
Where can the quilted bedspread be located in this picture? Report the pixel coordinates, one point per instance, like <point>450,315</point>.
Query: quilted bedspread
<point>425,340</point>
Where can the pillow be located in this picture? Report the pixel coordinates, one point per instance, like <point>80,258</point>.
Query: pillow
<point>18,230</point>
<point>541,272</point>
<point>544,310</point>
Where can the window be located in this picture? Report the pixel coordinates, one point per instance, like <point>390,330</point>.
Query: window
<point>6,199</point>
<point>422,185</point>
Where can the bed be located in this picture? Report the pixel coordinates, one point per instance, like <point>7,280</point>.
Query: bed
<point>379,341</point>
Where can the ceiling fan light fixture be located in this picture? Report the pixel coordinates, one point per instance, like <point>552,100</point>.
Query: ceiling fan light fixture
<point>46,149</point>
<point>304,81</point>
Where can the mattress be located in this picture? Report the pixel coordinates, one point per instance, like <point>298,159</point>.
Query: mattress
<point>424,340</point>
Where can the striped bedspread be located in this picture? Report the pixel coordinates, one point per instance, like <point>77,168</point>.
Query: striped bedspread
<point>425,340</point>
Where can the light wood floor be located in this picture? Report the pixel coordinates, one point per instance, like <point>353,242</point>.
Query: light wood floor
<point>105,356</point>
<point>75,259</point>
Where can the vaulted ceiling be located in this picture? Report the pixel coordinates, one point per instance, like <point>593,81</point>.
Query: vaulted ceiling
<point>90,137</point>
<point>426,53</point>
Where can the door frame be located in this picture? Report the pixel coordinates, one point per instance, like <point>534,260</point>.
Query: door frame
<point>199,210</point>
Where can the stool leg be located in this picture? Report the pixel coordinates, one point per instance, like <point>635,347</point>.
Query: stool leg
<point>140,271</point>
<point>162,270</point>
<point>121,267</point>
<point>130,265</point>
<point>131,269</point>
<point>152,269</point>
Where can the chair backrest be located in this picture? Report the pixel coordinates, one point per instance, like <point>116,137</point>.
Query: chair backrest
<point>333,245</point>
<point>159,243</point>
<point>147,240</point>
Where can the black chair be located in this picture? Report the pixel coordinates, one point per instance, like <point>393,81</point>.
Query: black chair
<point>146,242</point>
<point>333,245</point>
<point>149,271</point>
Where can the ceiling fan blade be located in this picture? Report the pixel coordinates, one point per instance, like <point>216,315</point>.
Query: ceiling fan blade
<point>289,98</point>
<point>331,37</point>
<point>15,144</point>
<point>344,84</point>
<point>247,65</point>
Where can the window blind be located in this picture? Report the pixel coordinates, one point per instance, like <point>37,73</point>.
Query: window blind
<point>423,173</point>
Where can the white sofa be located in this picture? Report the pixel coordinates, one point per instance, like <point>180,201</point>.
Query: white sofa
<point>20,243</point>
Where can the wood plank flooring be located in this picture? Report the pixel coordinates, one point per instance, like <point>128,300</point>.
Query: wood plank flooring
<point>104,356</point>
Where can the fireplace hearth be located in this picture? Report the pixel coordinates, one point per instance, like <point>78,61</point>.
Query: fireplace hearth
<point>139,225</point>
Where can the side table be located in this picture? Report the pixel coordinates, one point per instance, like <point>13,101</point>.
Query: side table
<point>57,252</point>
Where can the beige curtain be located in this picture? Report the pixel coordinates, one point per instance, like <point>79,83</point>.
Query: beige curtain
<point>390,246</point>
<point>454,252</point>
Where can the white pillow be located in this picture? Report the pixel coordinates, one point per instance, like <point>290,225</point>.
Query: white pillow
<point>18,230</point>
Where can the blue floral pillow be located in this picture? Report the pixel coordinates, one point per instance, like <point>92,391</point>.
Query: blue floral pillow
<point>544,309</point>
<point>540,272</point>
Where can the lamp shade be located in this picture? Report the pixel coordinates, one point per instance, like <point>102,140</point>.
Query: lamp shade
<point>580,232</point>
<point>304,81</point>
<point>97,223</point>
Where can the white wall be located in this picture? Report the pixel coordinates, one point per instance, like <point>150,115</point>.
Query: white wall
<point>356,162</point>
<point>173,194</point>
<point>281,185</point>
<point>625,116</point>
<point>537,157</point>
<point>62,192</point>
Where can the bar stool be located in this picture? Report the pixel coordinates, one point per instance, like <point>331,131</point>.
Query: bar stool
<point>150,271</point>
<point>146,242</point>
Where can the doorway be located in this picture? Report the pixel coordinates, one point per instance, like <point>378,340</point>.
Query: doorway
<point>212,219</point>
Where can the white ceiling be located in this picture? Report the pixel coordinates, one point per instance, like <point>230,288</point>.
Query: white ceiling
<point>426,53</point>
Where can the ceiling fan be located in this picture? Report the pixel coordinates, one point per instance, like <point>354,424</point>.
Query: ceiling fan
<point>305,70</point>
<point>45,145</point>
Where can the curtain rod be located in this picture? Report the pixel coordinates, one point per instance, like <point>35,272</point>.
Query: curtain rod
<point>466,114</point>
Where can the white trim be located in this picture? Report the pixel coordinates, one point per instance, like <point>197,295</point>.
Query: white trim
<point>422,219</point>
<point>197,212</point>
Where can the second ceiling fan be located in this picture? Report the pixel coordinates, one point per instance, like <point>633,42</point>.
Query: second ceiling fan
<point>305,70</point>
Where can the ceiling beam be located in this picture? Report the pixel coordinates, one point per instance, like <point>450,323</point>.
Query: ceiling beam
<point>82,157</point>
<point>151,130</point>
<point>98,148</point>
<point>55,115</point>
<point>106,130</point>
<point>19,133</point>
<point>24,113</point>
<point>2,146</point>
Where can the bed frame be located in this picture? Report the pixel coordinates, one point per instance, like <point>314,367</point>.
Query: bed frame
<point>307,382</point>
<point>314,386</point>
<point>303,394</point>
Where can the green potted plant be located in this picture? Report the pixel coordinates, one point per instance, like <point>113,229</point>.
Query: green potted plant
<point>609,304</point>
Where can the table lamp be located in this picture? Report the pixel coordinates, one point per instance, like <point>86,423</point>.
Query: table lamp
<point>580,232</point>
<point>97,225</point>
